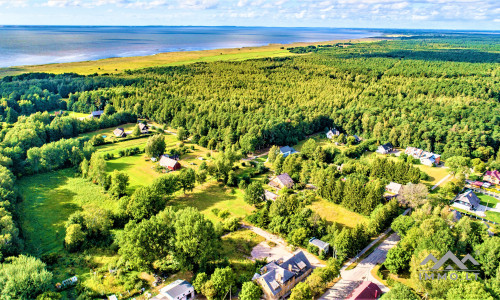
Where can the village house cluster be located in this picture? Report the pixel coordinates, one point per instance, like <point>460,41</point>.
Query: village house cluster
<point>425,157</point>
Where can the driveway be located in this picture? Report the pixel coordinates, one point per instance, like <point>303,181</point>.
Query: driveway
<point>281,244</point>
<point>353,278</point>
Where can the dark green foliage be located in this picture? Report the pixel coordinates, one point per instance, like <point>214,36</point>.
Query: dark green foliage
<point>254,193</point>
<point>400,291</point>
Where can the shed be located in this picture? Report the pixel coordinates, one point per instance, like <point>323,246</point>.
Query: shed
<point>394,188</point>
<point>96,113</point>
<point>177,290</point>
<point>169,163</point>
<point>322,246</point>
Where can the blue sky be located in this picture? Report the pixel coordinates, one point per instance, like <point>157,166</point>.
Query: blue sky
<point>432,14</point>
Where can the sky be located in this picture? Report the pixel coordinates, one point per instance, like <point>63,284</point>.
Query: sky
<point>425,14</point>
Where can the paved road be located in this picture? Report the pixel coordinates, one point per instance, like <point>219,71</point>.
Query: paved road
<point>277,240</point>
<point>441,181</point>
<point>352,278</point>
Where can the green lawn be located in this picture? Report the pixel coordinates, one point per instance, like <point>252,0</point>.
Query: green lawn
<point>493,216</point>
<point>336,213</point>
<point>48,200</point>
<point>487,200</point>
<point>139,169</point>
<point>211,195</point>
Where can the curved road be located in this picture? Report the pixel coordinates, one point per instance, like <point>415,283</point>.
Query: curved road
<point>352,278</point>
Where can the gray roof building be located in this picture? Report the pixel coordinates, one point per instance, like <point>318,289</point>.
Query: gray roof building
<point>468,198</point>
<point>279,277</point>
<point>322,246</point>
<point>177,290</point>
<point>96,113</point>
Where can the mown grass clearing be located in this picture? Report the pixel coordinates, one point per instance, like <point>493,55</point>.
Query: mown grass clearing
<point>48,200</point>
<point>107,133</point>
<point>211,195</point>
<point>335,213</point>
<point>487,200</point>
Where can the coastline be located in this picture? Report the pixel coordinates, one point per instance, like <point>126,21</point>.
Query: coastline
<point>119,64</point>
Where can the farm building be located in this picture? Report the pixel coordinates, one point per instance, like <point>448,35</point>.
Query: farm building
<point>281,181</point>
<point>385,148</point>
<point>492,176</point>
<point>278,277</point>
<point>169,163</point>
<point>119,132</point>
<point>177,290</point>
<point>270,195</point>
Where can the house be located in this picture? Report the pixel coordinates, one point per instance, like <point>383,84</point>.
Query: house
<point>112,297</point>
<point>492,176</point>
<point>58,113</point>
<point>425,157</point>
<point>385,148</point>
<point>430,159</point>
<point>143,128</point>
<point>394,188</point>
<point>357,138</point>
<point>96,113</point>
<point>468,199</point>
<point>281,181</point>
<point>119,132</point>
<point>287,150</point>
<point>367,290</point>
<point>169,163</point>
<point>177,290</point>
<point>332,133</point>
<point>322,246</point>
<point>277,278</point>
<point>270,195</point>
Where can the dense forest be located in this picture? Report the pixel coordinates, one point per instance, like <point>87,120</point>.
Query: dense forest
<point>440,93</point>
<point>437,94</point>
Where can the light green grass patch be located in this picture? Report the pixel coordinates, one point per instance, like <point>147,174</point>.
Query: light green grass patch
<point>335,213</point>
<point>108,132</point>
<point>48,200</point>
<point>211,195</point>
<point>139,169</point>
<point>487,200</point>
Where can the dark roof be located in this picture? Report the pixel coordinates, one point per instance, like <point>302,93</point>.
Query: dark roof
<point>97,112</point>
<point>176,288</point>
<point>287,150</point>
<point>387,146</point>
<point>469,197</point>
<point>367,290</point>
<point>143,126</point>
<point>276,275</point>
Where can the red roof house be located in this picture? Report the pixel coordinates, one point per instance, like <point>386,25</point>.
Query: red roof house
<point>169,163</point>
<point>492,176</point>
<point>366,291</point>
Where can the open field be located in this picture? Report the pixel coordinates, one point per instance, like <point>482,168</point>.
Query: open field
<point>72,113</point>
<point>211,195</point>
<point>336,213</point>
<point>487,200</point>
<point>120,64</point>
<point>48,200</point>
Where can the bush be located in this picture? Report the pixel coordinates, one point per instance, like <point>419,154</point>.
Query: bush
<point>224,214</point>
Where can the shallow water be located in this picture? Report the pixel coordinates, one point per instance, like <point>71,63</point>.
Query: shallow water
<point>32,45</point>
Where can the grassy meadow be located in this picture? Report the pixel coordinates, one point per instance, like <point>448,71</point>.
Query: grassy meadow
<point>48,200</point>
<point>335,213</point>
<point>212,195</point>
